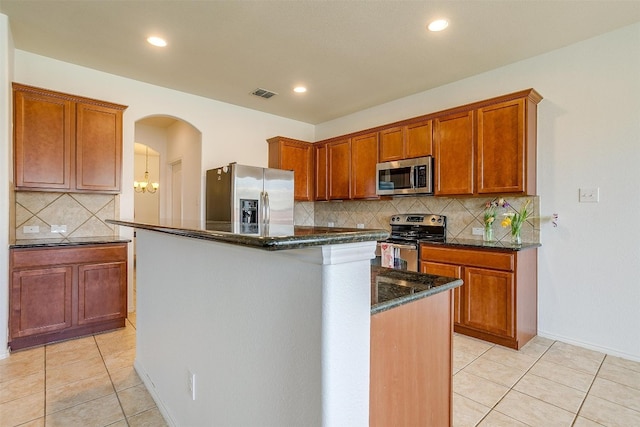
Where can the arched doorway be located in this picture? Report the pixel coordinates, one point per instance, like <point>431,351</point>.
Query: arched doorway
<point>175,149</point>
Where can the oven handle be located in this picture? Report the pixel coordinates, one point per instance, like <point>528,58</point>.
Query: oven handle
<point>402,246</point>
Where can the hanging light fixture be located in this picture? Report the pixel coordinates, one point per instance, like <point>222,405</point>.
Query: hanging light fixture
<point>146,186</point>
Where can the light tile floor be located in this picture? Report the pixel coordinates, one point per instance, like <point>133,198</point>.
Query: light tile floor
<point>546,383</point>
<point>91,382</point>
<point>84,382</point>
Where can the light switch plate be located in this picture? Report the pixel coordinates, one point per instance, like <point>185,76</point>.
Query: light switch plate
<point>31,229</point>
<point>58,228</point>
<point>477,231</point>
<point>589,195</point>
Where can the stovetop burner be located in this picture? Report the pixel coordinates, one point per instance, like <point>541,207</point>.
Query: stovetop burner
<point>414,227</point>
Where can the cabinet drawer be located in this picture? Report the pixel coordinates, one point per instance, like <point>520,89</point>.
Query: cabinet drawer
<point>486,259</point>
<point>26,258</point>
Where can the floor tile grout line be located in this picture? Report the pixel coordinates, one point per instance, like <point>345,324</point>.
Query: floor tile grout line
<point>493,408</point>
<point>113,386</point>
<point>587,393</point>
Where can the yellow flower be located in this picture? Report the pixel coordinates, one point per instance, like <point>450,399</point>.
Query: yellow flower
<point>506,221</point>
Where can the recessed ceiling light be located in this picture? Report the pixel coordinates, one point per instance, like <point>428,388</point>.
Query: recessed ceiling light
<point>157,41</point>
<point>300,89</point>
<point>438,25</point>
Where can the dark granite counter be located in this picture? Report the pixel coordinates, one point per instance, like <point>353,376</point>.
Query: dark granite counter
<point>391,288</point>
<point>66,241</point>
<point>271,238</point>
<point>479,244</point>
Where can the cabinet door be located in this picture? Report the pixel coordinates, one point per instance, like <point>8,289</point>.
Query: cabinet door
<point>339,155</point>
<point>297,156</point>
<point>102,292</point>
<point>364,157</point>
<point>488,301</point>
<point>392,144</point>
<point>41,301</point>
<point>419,140</point>
<point>98,148</point>
<point>454,154</point>
<point>501,148</point>
<point>322,169</point>
<point>43,152</point>
<point>447,270</point>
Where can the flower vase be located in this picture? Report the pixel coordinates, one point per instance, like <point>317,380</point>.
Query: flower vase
<point>487,236</point>
<point>516,239</point>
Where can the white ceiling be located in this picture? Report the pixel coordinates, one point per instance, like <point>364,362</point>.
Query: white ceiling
<point>350,54</point>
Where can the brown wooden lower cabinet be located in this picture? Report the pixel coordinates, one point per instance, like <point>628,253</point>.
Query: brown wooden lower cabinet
<point>498,300</point>
<point>411,364</point>
<point>58,293</point>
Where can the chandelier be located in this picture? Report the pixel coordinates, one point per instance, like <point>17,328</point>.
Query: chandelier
<point>146,186</point>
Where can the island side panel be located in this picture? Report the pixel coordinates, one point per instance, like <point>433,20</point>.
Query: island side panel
<point>250,325</point>
<point>412,363</point>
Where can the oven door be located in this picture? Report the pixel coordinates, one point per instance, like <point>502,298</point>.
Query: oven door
<point>401,256</point>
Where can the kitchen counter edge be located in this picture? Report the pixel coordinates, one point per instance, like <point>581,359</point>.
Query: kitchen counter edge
<point>480,244</point>
<point>66,241</point>
<point>302,237</point>
<point>419,285</point>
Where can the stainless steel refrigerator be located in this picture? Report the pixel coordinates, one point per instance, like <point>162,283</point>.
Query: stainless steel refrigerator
<point>249,199</point>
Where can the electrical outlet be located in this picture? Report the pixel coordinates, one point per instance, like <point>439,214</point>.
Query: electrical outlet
<point>31,229</point>
<point>477,231</point>
<point>360,226</point>
<point>191,384</point>
<point>589,195</point>
<point>58,228</point>
<point>330,224</point>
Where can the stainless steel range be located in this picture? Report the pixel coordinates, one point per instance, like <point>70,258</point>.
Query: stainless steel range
<point>402,249</point>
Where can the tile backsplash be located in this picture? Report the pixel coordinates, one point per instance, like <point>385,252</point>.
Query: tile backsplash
<point>83,215</point>
<point>463,214</point>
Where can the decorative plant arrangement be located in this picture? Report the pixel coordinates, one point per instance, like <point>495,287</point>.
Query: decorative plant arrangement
<point>490,212</point>
<point>514,219</point>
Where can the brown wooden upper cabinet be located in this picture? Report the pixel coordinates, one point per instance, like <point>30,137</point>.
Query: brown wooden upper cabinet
<point>291,154</point>
<point>322,172</point>
<point>488,147</point>
<point>506,155</point>
<point>364,157</point>
<point>453,154</point>
<point>339,169</point>
<point>405,142</point>
<point>66,143</point>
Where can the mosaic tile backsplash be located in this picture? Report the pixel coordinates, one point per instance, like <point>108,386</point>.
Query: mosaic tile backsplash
<point>463,214</point>
<point>83,214</point>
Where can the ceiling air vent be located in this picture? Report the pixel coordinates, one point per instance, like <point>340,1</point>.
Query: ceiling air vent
<point>263,93</point>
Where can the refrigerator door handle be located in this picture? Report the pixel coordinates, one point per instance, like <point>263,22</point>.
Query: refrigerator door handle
<point>267,208</point>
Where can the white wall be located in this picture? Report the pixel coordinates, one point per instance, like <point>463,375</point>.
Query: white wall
<point>588,136</point>
<point>185,145</point>
<point>6,164</point>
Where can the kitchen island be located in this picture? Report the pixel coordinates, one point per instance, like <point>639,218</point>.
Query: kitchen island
<point>265,329</point>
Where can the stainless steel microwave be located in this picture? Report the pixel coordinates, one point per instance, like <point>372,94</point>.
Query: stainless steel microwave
<point>410,176</point>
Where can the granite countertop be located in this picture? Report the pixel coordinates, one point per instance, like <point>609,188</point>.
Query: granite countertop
<point>66,241</point>
<point>273,237</point>
<point>391,288</point>
<point>479,244</point>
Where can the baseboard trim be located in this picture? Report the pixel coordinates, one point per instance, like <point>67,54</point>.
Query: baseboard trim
<point>605,350</point>
<point>142,373</point>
